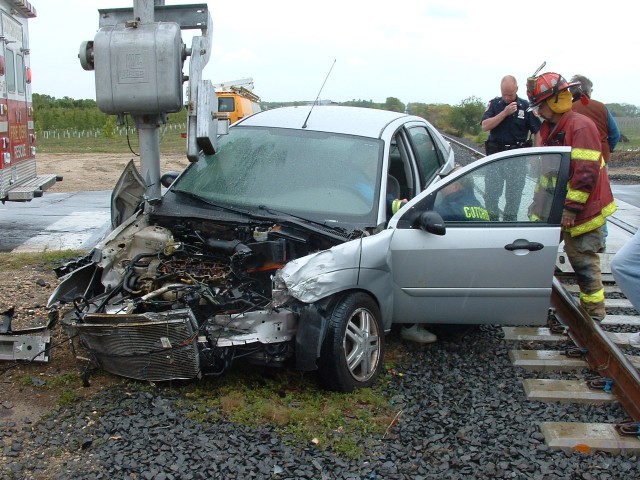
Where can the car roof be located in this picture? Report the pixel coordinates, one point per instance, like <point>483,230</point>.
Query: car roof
<point>366,122</point>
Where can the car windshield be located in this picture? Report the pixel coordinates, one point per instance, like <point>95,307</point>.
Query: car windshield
<point>320,176</point>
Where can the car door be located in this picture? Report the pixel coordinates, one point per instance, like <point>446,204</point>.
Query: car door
<point>485,268</point>
<point>417,154</point>
<point>430,157</point>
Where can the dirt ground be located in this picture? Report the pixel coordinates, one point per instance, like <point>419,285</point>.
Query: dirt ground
<point>98,171</point>
<point>29,391</point>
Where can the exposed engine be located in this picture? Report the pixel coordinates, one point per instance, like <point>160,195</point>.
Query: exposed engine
<point>183,299</point>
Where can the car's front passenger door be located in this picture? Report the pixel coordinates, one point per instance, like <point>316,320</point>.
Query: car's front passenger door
<point>484,269</point>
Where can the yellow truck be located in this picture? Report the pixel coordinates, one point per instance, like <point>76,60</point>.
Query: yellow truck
<point>236,99</point>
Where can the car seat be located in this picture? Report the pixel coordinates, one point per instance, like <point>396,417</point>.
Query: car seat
<point>393,187</point>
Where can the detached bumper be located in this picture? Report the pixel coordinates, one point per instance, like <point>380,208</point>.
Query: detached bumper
<point>30,344</point>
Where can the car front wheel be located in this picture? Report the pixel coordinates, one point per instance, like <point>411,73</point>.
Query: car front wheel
<point>353,349</point>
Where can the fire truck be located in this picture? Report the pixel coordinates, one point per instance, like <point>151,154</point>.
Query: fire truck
<point>18,178</point>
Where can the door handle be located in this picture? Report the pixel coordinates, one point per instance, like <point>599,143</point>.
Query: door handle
<point>522,244</point>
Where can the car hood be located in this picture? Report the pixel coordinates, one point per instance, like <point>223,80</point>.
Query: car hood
<point>127,195</point>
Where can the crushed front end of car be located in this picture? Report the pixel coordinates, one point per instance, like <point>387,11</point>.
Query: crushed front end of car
<point>184,300</point>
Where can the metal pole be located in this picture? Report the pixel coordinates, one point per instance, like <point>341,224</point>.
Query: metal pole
<point>149,137</point>
<point>143,9</point>
<point>149,125</point>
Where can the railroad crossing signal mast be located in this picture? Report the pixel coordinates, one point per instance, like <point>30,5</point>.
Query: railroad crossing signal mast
<point>138,56</point>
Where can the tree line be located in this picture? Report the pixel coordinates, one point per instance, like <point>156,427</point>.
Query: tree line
<point>462,119</point>
<point>52,113</point>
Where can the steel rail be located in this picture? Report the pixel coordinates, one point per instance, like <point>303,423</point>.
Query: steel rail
<point>622,224</point>
<point>460,144</point>
<point>601,353</point>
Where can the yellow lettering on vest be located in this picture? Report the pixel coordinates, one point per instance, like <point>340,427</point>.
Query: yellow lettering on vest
<point>476,213</point>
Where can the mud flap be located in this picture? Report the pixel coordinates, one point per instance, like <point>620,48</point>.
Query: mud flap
<point>312,328</point>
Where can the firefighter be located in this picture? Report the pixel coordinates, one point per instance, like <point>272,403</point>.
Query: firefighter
<point>599,113</point>
<point>589,199</point>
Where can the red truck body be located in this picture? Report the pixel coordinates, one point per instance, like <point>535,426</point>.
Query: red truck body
<point>19,180</point>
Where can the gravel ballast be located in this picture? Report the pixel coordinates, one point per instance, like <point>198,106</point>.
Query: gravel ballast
<point>462,413</point>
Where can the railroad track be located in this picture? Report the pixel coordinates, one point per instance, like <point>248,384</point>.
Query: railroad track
<point>582,344</point>
<point>599,349</point>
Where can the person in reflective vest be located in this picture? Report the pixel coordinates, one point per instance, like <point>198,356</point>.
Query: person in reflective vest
<point>599,113</point>
<point>543,193</point>
<point>589,198</point>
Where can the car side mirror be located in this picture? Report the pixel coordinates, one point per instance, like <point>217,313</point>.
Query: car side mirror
<point>431,222</point>
<point>168,178</point>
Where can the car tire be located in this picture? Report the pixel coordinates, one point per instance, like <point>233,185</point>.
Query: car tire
<point>353,350</point>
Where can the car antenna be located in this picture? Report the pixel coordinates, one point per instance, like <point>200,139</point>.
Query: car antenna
<point>539,68</point>
<point>304,125</point>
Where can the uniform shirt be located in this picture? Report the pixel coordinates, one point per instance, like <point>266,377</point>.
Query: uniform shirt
<point>462,206</point>
<point>514,128</point>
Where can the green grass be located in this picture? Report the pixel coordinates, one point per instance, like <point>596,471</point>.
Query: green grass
<point>59,381</point>
<point>295,406</point>
<point>66,384</point>
<point>630,128</point>
<point>69,396</point>
<point>48,259</point>
<point>171,141</point>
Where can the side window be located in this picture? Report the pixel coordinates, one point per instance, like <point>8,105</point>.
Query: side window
<point>11,71</point>
<point>20,73</point>
<point>225,104</point>
<point>426,154</point>
<point>400,168</point>
<point>461,200</point>
<point>515,189</point>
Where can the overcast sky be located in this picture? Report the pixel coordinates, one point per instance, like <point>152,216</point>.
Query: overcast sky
<point>430,51</point>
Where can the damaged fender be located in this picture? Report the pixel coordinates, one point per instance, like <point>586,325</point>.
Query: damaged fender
<point>361,264</point>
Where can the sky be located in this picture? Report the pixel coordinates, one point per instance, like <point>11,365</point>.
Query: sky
<point>428,51</point>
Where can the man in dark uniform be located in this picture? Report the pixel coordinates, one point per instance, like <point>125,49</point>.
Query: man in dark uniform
<point>509,123</point>
<point>458,203</point>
